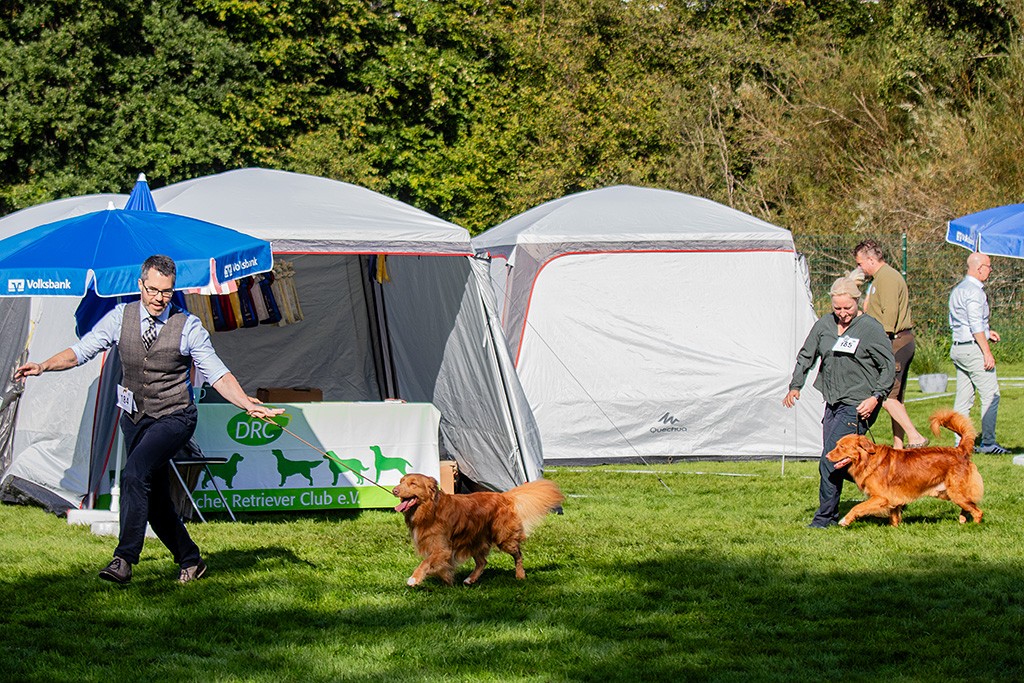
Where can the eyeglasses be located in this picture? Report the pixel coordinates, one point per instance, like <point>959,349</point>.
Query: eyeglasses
<point>153,291</point>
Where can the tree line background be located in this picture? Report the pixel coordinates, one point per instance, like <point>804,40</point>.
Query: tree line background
<point>826,117</point>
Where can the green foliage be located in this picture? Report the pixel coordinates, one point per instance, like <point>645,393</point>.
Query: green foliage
<point>819,115</point>
<point>937,46</point>
<point>92,93</point>
<point>931,354</point>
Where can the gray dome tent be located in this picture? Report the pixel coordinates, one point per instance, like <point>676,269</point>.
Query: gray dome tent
<point>649,324</point>
<point>427,335</point>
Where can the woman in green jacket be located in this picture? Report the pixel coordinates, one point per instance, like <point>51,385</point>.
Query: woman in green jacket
<point>855,373</point>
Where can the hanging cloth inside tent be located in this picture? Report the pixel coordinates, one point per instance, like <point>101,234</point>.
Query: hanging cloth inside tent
<point>382,275</point>
<point>246,305</point>
<point>199,306</point>
<point>227,312</point>
<point>285,292</point>
<point>265,299</point>
<point>265,281</point>
<point>236,309</point>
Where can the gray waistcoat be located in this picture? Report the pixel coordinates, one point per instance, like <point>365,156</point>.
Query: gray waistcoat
<point>158,377</point>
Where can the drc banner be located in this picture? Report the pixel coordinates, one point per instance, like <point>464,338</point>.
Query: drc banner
<point>269,469</point>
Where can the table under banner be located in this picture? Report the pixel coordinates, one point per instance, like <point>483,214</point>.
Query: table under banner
<point>269,469</point>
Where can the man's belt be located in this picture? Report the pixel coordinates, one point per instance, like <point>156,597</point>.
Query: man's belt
<point>956,343</point>
<point>901,333</point>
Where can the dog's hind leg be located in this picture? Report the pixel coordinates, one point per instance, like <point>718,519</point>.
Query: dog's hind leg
<point>896,515</point>
<point>481,562</point>
<point>968,507</point>
<point>512,548</point>
<point>965,492</point>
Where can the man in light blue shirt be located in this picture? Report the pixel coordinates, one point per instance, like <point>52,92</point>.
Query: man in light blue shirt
<point>195,341</point>
<point>158,343</point>
<point>971,353</point>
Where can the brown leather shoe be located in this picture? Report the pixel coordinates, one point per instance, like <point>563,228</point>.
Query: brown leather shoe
<point>118,571</point>
<point>193,573</point>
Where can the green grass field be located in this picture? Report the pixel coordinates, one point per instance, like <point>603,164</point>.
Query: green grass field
<point>714,578</point>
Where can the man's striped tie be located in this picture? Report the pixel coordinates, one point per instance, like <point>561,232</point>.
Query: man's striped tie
<point>149,334</point>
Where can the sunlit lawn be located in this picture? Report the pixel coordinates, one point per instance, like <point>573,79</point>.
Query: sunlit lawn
<point>711,576</point>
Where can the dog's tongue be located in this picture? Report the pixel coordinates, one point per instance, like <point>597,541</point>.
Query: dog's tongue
<point>405,504</point>
<point>842,463</point>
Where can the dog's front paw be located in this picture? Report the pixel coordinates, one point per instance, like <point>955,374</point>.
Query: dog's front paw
<point>844,522</point>
<point>411,581</point>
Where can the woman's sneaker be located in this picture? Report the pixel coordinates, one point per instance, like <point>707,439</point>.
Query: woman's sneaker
<point>193,573</point>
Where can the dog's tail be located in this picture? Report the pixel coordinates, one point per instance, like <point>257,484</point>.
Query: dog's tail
<point>534,500</point>
<point>957,423</point>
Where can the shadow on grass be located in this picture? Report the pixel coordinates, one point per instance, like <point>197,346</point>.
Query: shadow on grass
<point>271,615</point>
<point>925,619</point>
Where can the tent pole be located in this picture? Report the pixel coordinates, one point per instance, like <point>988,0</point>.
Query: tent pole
<point>480,282</point>
<point>792,345</point>
<point>510,413</point>
<point>385,339</point>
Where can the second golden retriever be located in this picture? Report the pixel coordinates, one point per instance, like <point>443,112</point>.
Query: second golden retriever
<point>892,478</point>
<point>449,529</point>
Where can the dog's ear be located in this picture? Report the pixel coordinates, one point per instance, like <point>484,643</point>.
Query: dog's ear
<point>866,444</point>
<point>435,490</point>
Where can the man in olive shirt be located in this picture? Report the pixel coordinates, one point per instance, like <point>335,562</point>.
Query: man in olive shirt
<point>888,302</point>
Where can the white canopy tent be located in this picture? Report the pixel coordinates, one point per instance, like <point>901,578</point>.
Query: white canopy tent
<point>430,334</point>
<point>647,324</point>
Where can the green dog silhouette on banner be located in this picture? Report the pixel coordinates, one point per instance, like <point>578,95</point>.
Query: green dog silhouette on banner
<point>340,466</point>
<point>287,468</point>
<point>384,463</point>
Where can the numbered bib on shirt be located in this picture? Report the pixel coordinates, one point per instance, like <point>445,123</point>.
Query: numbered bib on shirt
<point>125,399</point>
<point>846,345</point>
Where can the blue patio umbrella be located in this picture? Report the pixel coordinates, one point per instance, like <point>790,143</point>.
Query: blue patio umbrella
<point>103,250</point>
<point>141,199</point>
<point>97,256</point>
<point>996,232</point>
<point>93,307</point>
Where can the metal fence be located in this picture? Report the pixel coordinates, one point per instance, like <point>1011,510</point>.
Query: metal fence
<point>932,268</point>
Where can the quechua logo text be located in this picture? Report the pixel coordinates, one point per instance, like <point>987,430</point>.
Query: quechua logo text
<point>667,423</point>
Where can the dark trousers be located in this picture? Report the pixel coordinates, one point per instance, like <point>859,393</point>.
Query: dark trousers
<point>839,421</point>
<point>145,486</point>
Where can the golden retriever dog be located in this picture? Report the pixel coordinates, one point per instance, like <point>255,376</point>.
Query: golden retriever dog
<point>449,529</point>
<point>892,478</point>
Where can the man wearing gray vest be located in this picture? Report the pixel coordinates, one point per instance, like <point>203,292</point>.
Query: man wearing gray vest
<point>158,342</point>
